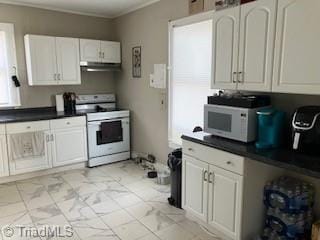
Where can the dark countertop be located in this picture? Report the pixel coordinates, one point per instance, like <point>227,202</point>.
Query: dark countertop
<point>283,157</point>
<point>34,114</point>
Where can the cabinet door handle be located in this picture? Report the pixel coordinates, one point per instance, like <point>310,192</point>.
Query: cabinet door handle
<point>211,177</point>
<point>234,80</point>
<point>55,77</point>
<point>47,138</point>
<point>51,137</point>
<point>205,176</point>
<point>190,149</point>
<point>229,162</point>
<point>240,77</point>
<point>103,55</point>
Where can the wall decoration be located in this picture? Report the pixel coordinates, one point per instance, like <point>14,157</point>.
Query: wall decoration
<point>136,62</point>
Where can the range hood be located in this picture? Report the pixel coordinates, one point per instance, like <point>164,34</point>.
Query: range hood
<point>100,67</point>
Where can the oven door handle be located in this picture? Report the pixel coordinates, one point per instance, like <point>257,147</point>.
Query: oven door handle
<point>98,123</point>
<point>94,123</point>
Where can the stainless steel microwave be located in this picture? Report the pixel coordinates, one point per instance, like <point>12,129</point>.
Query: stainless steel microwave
<point>231,122</point>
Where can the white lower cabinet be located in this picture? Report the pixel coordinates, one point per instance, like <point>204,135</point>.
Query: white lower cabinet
<point>212,195</point>
<point>32,163</point>
<point>4,168</point>
<point>224,209</point>
<point>54,143</point>
<point>224,191</point>
<point>69,146</point>
<point>195,197</point>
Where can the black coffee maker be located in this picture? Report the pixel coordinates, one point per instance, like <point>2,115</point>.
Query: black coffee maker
<point>69,99</point>
<point>306,129</point>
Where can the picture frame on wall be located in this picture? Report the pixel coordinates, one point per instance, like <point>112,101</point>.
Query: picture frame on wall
<point>136,62</point>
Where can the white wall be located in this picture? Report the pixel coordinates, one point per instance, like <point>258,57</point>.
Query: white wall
<point>28,20</point>
<point>147,27</point>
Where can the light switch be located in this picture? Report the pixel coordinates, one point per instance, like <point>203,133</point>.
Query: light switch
<point>159,77</point>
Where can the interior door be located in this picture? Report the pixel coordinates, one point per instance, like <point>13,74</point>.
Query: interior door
<point>225,48</point>
<point>90,50</point>
<point>34,162</point>
<point>43,60</point>
<point>257,34</point>
<point>4,168</point>
<point>297,48</point>
<point>69,146</point>
<point>195,187</point>
<point>225,201</point>
<point>111,52</point>
<point>68,60</point>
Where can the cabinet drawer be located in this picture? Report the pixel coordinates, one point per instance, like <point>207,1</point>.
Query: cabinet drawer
<point>68,122</point>
<point>2,129</point>
<point>222,159</point>
<point>28,127</point>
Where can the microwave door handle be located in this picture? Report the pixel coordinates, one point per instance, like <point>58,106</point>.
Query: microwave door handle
<point>296,141</point>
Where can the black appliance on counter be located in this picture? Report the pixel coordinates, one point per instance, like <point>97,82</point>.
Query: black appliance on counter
<point>243,101</point>
<point>69,99</point>
<point>306,129</point>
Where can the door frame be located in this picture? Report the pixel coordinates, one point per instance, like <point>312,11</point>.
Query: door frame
<point>201,17</point>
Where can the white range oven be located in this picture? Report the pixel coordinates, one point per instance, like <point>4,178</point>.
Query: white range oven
<point>108,129</point>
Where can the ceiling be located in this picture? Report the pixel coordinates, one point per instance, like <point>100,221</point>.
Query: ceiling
<point>100,8</point>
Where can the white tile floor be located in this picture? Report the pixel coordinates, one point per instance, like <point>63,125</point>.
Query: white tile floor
<point>111,202</point>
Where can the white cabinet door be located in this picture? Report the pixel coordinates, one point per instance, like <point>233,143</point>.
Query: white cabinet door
<point>111,52</point>
<point>69,146</point>
<point>68,60</point>
<point>4,168</point>
<point>90,50</point>
<point>195,187</point>
<point>41,60</point>
<point>257,33</point>
<point>225,201</point>
<point>30,162</point>
<point>297,48</point>
<point>225,48</point>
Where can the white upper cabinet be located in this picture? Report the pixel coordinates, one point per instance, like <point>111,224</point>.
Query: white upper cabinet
<point>68,59</point>
<point>297,48</point>
<point>257,33</point>
<point>225,48</point>
<point>90,50</point>
<point>243,46</point>
<point>100,51</point>
<point>52,61</point>
<point>111,52</point>
<point>41,60</point>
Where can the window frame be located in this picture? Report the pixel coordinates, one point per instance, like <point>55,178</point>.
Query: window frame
<point>172,24</point>
<point>14,92</point>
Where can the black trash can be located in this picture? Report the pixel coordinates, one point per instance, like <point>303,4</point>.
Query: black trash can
<point>175,165</point>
